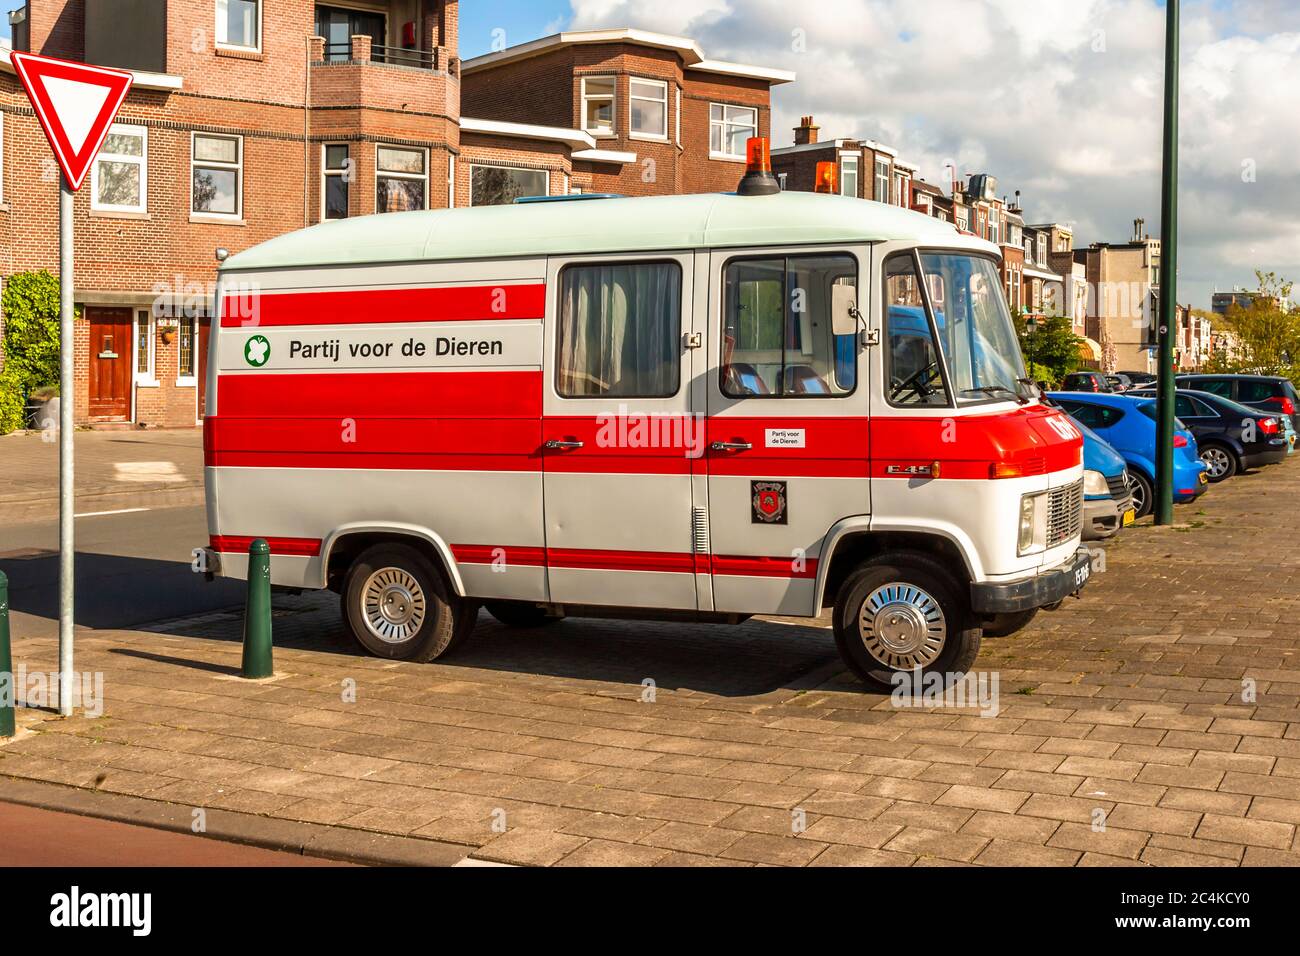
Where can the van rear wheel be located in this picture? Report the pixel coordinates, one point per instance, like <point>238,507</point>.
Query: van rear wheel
<point>904,612</point>
<point>397,605</point>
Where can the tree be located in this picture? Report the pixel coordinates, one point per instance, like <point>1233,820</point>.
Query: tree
<point>1052,347</point>
<point>1266,331</point>
<point>31,342</point>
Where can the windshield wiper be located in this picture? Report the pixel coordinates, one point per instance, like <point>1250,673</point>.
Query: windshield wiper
<point>995,389</point>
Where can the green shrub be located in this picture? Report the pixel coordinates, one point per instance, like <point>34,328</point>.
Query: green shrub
<point>31,340</point>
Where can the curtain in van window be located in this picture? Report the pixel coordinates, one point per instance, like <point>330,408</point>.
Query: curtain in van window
<point>620,330</point>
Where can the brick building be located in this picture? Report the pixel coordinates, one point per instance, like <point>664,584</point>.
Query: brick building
<point>251,118</point>
<point>864,168</point>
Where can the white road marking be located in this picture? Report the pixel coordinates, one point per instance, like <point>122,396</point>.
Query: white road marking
<point>100,514</point>
<point>147,471</point>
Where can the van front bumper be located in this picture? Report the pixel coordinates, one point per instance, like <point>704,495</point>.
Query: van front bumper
<point>1049,587</point>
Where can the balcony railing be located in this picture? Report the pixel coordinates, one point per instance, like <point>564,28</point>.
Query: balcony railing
<point>360,50</point>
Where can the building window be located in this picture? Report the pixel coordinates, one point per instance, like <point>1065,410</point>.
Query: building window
<point>995,229</point>
<point>401,179</point>
<point>239,24</point>
<point>2,157</point>
<point>500,185</point>
<point>849,175</point>
<point>677,116</point>
<point>144,351</point>
<point>729,128</point>
<point>882,180</point>
<point>117,180</point>
<point>620,330</point>
<point>598,105</point>
<point>901,189</point>
<point>336,170</point>
<point>185,348</point>
<point>1042,249</point>
<point>649,105</point>
<point>451,180</point>
<point>217,181</point>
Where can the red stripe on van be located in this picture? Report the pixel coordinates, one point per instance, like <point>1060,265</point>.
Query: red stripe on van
<point>372,306</point>
<point>764,567</point>
<point>359,395</point>
<point>234,543</point>
<point>488,553</point>
<point>609,560</point>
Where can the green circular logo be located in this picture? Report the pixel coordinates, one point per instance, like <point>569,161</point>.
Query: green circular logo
<point>257,351</point>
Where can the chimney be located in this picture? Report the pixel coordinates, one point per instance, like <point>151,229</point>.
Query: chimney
<point>1139,230</point>
<point>805,132</point>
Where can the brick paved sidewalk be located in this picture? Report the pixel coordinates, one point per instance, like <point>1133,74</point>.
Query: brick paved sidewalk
<point>1125,707</point>
<point>113,469</point>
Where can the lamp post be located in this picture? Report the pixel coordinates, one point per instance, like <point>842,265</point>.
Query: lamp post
<point>1031,326</point>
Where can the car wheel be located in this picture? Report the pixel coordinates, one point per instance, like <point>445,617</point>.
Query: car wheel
<point>397,605</point>
<point>519,613</point>
<point>1004,625</point>
<point>1220,462</point>
<point>904,612</point>
<point>1143,493</point>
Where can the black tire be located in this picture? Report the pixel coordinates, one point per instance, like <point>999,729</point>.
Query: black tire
<point>399,577</point>
<point>1221,462</point>
<point>519,613</point>
<point>961,633</point>
<point>1004,625</point>
<point>1143,494</point>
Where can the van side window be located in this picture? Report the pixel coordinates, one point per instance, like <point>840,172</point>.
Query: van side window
<point>1215,386</point>
<point>620,330</point>
<point>912,363</point>
<point>777,340</point>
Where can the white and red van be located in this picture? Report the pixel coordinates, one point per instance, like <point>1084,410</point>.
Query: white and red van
<point>706,407</point>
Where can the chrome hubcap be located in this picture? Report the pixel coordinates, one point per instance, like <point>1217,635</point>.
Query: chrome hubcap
<point>902,626</point>
<point>1216,460</point>
<point>1139,496</point>
<point>393,604</point>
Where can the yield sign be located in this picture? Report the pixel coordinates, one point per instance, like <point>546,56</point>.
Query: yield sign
<point>75,104</point>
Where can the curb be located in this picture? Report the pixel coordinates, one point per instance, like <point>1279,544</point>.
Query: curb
<point>363,847</point>
<point>101,499</point>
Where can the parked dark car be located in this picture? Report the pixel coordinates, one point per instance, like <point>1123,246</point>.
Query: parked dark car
<point>1085,382</point>
<point>1230,437</point>
<point>1269,393</point>
<point>1119,381</point>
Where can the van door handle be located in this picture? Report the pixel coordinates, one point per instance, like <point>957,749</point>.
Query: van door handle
<point>556,445</point>
<point>732,446</point>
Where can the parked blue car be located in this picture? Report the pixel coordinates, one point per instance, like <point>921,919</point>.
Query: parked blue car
<point>1107,500</point>
<point>1128,425</point>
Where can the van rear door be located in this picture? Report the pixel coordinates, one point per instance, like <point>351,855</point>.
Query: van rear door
<point>619,442</point>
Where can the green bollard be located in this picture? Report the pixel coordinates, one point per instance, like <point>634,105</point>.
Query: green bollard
<point>257,612</point>
<point>8,689</point>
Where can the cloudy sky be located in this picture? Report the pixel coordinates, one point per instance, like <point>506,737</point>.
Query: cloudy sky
<point>1060,99</point>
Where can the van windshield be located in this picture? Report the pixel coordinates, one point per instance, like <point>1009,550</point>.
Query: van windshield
<point>978,340</point>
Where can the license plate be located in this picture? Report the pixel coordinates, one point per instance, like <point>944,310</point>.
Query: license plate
<point>1129,517</point>
<point>1201,478</point>
<point>1082,571</point>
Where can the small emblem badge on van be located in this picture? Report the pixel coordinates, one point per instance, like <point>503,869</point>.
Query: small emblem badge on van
<point>257,351</point>
<point>769,504</point>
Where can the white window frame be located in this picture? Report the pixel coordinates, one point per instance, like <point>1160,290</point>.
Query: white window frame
<point>192,320</point>
<point>677,116</point>
<point>237,166</point>
<point>142,161</point>
<point>2,157</point>
<point>1040,248</point>
<point>726,123</point>
<point>632,97</point>
<point>846,160</point>
<point>584,96</point>
<point>326,173</point>
<point>886,166</point>
<point>219,28</point>
<point>526,169</point>
<point>147,378</point>
<point>389,175</point>
<point>451,180</point>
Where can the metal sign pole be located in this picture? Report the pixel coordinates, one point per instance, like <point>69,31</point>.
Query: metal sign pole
<point>67,399</point>
<point>1167,320</point>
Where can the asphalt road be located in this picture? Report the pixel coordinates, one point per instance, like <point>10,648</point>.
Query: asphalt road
<point>131,568</point>
<point>30,836</point>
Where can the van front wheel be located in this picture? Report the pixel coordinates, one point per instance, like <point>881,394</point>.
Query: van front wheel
<point>905,612</point>
<point>397,605</point>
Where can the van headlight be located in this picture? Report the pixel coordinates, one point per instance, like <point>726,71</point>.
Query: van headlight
<point>1032,534</point>
<point>1094,483</point>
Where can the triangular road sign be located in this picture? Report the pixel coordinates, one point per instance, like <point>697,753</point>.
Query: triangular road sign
<point>75,104</point>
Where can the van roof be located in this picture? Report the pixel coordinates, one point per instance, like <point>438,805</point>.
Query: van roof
<point>714,220</point>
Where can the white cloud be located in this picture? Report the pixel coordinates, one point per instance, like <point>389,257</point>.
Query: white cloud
<point>1059,98</point>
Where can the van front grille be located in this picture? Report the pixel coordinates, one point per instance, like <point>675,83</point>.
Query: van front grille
<point>1118,485</point>
<point>1064,513</point>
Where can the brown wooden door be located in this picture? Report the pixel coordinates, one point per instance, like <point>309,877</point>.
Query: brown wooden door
<point>201,364</point>
<point>111,351</point>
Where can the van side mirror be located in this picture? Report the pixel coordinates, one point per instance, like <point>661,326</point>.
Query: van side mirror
<point>844,310</point>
